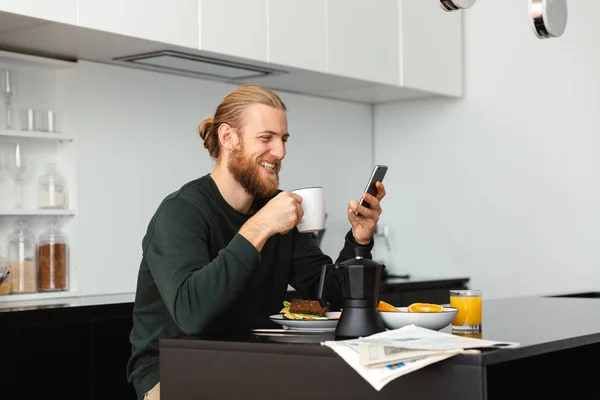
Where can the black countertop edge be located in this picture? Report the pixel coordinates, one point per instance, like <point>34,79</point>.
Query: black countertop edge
<point>491,357</point>
<point>247,347</point>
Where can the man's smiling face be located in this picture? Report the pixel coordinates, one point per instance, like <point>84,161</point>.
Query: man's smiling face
<point>256,160</point>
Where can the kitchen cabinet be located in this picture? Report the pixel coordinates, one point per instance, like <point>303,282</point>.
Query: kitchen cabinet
<point>356,50</point>
<point>363,39</point>
<point>297,33</point>
<point>386,50</point>
<point>390,43</point>
<point>402,43</point>
<point>431,48</point>
<point>64,11</point>
<point>76,349</point>
<point>173,22</point>
<point>235,28</point>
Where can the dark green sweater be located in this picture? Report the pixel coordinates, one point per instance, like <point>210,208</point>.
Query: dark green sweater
<point>199,275</point>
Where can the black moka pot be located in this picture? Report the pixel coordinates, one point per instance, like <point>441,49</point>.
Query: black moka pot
<point>360,295</point>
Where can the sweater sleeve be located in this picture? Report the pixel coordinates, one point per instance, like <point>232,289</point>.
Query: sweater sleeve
<point>308,260</point>
<point>195,288</point>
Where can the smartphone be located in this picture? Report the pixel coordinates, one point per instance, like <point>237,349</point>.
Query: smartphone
<point>377,175</point>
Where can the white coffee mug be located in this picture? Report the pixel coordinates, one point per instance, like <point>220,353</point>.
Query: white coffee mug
<point>313,205</point>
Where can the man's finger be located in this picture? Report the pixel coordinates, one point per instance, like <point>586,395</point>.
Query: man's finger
<point>380,190</point>
<point>297,197</point>
<point>372,200</point>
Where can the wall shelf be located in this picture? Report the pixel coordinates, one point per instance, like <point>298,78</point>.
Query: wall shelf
<point>42,84</point>
<point>16,134</point>
<point>42,212</point>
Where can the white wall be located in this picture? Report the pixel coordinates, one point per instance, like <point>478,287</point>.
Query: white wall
<point>137,142</point>
<point>502,186</point>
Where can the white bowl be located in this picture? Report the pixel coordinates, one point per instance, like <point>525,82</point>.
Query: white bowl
<point>429,320</point>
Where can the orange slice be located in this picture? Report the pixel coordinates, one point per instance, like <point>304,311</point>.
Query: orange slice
<point>383,306</point>
<point>425,307</point>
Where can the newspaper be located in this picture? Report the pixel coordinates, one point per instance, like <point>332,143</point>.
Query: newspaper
<point>388,355</point>
<point>380,355</point>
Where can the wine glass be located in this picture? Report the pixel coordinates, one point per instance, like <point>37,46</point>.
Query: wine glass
<point>8,92</point>
<point>17,166</point>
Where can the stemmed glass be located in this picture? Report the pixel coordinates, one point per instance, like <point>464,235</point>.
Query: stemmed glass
<point>17,166</point>
<point>8,91</point>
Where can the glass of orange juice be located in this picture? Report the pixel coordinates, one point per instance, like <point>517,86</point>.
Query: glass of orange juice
<point>468,302</point>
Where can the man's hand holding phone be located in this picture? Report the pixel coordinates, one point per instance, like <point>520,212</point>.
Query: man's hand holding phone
<point>364,215</point>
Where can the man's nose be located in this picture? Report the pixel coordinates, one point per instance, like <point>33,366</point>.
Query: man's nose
<point>278,150</point>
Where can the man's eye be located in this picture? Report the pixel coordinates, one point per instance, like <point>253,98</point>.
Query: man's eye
<point>265,138</point>
<point>285,139</point>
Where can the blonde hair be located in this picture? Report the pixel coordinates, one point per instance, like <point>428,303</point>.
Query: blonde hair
<point>231,112</point>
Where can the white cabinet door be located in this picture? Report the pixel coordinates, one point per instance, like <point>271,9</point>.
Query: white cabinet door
<point>431,47</point>
<point>363,39</point>
<point>172,22</point>
<point>64,11</point>
<point>297,33</point>
<point>234,27</point>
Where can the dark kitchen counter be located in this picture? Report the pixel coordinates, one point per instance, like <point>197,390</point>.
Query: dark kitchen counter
<point>556,335</point>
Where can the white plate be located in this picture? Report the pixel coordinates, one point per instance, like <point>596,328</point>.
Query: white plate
<point>325,324</point>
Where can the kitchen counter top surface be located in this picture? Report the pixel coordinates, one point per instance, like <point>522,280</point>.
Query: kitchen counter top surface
<point>540,324</point>
<point>65,302</point>
<point>66,310</point>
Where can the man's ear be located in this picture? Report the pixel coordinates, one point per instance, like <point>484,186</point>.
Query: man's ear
<point>227,136</point>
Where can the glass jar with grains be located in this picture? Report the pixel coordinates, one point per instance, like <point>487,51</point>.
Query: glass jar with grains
<point>4,286</point>
<point>22,259</point>
<point>53,258</point>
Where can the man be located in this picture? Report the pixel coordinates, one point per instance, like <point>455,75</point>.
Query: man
<point>219,253</point>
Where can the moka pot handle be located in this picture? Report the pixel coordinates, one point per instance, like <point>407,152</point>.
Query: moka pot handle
<point>324,267</point>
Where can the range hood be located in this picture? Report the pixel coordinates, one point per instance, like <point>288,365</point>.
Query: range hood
<point>185,63</point>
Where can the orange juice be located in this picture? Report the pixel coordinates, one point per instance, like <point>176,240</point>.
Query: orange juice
<point>469,334</point>
<point>469,313</point>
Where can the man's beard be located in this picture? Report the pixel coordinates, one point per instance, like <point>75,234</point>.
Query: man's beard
<point>246,172</point>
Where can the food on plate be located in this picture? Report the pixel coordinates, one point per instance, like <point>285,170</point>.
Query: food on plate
<point>383,306</point>
<point>425,307</point>
<point>304,309</point>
